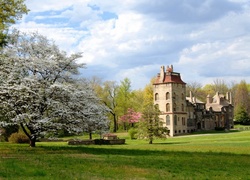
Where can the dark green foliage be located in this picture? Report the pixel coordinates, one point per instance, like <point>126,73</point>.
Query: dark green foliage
<point>151,126</point>
<point>219,128</point>
<point>241,116</point>
<point>8,130</point>
<point>18,137</point>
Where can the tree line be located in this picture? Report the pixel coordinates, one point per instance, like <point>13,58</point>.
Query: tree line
<point>41,91</point>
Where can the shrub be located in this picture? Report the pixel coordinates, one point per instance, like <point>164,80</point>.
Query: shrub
<point>132,133</point>
<point>219,128</point>
<point>7,131</point>
<point>18,137</point>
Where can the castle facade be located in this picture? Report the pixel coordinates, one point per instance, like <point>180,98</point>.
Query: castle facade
<point>181,114</point>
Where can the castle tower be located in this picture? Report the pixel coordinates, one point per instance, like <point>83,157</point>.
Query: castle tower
<point>170,96</point>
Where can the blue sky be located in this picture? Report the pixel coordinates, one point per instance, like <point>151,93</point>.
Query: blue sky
<point>204,40</point>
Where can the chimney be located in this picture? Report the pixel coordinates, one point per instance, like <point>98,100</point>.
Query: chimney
<point>230,98</point>
<point>218,97</point>
<point>209,99</point>
<point>162,73</point>
<point>191,96</point>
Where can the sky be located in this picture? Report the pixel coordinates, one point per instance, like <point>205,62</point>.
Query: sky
<point>204,40</point>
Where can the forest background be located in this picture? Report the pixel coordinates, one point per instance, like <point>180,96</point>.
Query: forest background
<point>125,104</point>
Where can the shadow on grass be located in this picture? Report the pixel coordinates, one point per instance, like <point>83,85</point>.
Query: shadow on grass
<point>213,132</point>
<point>128,152</point>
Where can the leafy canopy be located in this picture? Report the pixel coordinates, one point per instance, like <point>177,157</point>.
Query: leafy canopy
<point>10,12</point>
<point>38,91</point>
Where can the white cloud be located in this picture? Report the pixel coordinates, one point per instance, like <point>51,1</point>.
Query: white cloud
<point>199,38</point>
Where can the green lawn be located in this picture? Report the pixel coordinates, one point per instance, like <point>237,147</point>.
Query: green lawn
<point>209,156</point>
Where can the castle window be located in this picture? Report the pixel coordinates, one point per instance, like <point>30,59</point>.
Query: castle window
<point>182,107</point>
<point>175,120</point>
<point>174,96</point>
<point>182,96</point>
<point>168,120</point>
<point>167,107</point>
<point>167,95</point>
<point>183,121</point>
<point>174,108</point>
<point>156,96</point>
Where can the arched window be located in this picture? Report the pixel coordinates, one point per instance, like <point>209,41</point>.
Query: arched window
<point>182,107</point>
<point>174,106</point>
<point>167,95</point>
<point>156,96</point>
<point>174,96</point>
<point>167,107</point>
<point>168,120</point>
<point>175,120</point>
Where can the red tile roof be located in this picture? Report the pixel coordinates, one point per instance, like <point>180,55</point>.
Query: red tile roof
<point>170,78</point>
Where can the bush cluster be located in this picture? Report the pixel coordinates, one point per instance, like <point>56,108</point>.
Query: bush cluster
<point>18,137</point>
<point>219,128</point>
<point>132,133</point>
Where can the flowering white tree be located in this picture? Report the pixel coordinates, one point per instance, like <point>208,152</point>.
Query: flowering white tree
<point>93,117</point>
<point>37,88</point>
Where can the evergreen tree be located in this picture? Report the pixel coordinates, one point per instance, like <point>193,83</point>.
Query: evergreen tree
<point>151,126</point>
<point>242,116</point>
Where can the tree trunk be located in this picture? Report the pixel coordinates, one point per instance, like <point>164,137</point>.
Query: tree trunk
<point>115,124</point>
<point>90,135</point>
<point>150,141</point>
<point>33,142</point>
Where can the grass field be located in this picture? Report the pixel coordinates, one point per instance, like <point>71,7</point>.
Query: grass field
<point>207,156</point>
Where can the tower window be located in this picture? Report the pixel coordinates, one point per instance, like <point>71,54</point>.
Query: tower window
<point>174,108</point>
<point>167,107</point>
<point>175,120</point>
<point>173,95</point>
<point>167,95</point>
<point>156,96</point>
<point>167,120</point>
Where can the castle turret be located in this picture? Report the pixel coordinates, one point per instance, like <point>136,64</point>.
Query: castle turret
<point>171,91</point>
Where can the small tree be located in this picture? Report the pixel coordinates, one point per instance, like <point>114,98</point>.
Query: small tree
<point>150,125</point>
<point>131,117</point>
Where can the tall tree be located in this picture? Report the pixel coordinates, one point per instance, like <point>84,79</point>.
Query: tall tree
<point>124,98</point>
<point>124,95</point>
<point>197,90</point>
<point>39,92</point>
<point>194,87</point>
<point>219,85</point>
<point>10,12</point>
<point>151,125</point>
<point>109,98</point>
<point>148,93</point>
<point>242,98</point>
<point>93,115</point>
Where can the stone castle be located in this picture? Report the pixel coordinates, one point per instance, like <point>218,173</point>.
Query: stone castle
<point>181,114</point>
